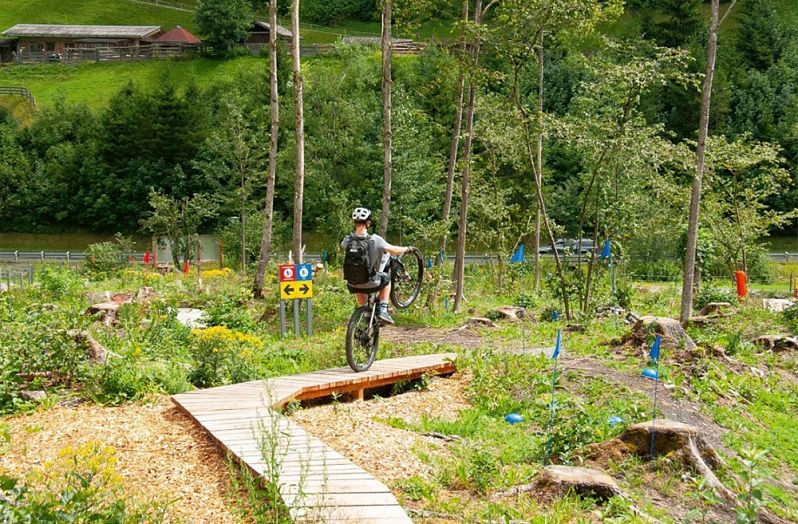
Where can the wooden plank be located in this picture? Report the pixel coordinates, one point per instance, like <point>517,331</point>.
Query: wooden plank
<point>317,482</point>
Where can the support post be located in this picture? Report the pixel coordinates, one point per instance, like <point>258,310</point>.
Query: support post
<point>282,317</point>
<point>309,317</point>
<point>296,317</point>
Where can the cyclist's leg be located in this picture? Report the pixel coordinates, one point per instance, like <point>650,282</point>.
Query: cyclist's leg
<point>385,292</point>
<point>361,298</point>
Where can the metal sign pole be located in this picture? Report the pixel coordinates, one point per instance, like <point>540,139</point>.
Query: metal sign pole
<point>309,317</point>
<point>282,318</point>
<point>296,317</point>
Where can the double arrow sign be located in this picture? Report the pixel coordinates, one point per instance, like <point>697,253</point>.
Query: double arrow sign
<point>296,281</point>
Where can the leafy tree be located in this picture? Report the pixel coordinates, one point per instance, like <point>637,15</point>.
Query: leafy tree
<point>179,220</point>
<point>224,23</point>
<point>14,173</point>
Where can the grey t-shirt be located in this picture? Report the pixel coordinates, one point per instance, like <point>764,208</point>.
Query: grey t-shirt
<point>377,248</point>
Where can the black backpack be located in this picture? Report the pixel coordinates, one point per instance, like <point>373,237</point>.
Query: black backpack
<point>358,268</point>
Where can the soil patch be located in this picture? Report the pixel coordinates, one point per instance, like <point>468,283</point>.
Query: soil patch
<point>465,337</point>
<point>161,454</point>
<point>357,430</point>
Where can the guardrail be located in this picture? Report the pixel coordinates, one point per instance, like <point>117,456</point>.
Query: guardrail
<point>19,91</point>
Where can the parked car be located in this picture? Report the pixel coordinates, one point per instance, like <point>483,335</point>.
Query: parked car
<point>568,246</point>
<point>54,57</point>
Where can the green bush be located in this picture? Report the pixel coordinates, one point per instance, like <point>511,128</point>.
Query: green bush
<point>222,356</point>
<point>108,256</point>
<point>712,293</point>
<point>133,378</point>
<point>58,284</point>
<point>791,317</point>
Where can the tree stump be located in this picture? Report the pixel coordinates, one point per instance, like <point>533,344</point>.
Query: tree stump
<point>583,481</point>
<point>107,312</point>
<point>670,330</point>
<point>777,342</point>
<point>717,309</point>
<point>512,313</point>
<point>481,322</point>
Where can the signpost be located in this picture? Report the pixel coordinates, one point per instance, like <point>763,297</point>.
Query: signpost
<point>296,284</point>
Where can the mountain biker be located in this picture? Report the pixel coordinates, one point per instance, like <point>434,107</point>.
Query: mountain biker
<point>365,261</point>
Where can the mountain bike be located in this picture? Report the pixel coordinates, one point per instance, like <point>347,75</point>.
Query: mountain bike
<point>406,273</point>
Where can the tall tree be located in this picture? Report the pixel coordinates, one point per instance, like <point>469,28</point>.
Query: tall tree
<point>459,263</point>
<point>299,131</point>
<point>454,145</point>
<point>695,196</point>
<point>274,109</point>
<point>387,131</point>
<point>223,23</point>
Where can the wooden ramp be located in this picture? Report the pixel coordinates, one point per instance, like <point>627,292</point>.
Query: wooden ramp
<point>316,483</point>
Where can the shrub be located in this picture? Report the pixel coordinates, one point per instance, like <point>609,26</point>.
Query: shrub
<point>791,317</point>
<point>109,256</point>
<point>81,485</point>
<point>712,293</point>
<point>58,284</point>
<point>222,356</point>
<point>133,378</point>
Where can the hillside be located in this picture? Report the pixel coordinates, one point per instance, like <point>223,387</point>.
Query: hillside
<point>95,83</point>
<point>104,12</point>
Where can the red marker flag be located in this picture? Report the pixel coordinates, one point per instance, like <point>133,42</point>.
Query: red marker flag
<point>146,257</point>
<point>185,267</point>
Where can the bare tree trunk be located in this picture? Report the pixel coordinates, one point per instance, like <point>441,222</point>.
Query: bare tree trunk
<point>459,277</point>
<point>455,144</point>
<point>387,131</point>
<point>299,124</point>
<point>274,108</point>
<point>695,197</point>
<point>539,174</point>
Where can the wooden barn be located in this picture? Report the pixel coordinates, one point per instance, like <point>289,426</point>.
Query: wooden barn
<point>45,38</point>
<point>260,31</point>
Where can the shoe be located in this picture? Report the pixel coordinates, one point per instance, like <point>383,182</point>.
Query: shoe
<point>382,314</point>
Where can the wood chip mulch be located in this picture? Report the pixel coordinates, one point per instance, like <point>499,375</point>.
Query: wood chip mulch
<point>357,430</point>
<point>161,453</point>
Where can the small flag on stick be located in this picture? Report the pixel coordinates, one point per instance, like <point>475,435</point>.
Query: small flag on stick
<point>146,257</point>
<point>186,266</point>
<point>606,251</point>
<point>654,356</point>
<point>555,356</point>
<point>518,256</point>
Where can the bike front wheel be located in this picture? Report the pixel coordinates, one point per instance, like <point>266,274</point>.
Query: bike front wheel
<point>362,339</point>
<point>407,274</point>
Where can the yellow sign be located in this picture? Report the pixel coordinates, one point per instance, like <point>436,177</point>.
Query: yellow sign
<point>297,289</point>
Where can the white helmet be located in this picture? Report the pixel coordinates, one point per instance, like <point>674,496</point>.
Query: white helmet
<point>361,214</point>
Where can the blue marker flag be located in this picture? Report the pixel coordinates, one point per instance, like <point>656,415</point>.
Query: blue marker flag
<point>557,346</point>
<point>654,353</point>
<point>606,251</point>
<point>518,256</point>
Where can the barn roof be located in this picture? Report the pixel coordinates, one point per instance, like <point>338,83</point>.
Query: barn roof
<point>178,35</point>
<point>82,31</point>
<point>282,31</point>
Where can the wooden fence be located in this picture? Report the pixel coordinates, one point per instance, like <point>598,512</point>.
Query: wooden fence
<point>18,91</point>
<point>104,54</point>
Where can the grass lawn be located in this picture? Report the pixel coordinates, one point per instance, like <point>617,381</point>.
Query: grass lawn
<point>96,83</point>
<point>103,12</point>
<point>58,242</point>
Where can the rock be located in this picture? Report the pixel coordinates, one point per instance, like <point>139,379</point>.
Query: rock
<point>777,305</point>
<point>583,481</point>
<point>575,328</point>
<point>481,322</point>
<point>192,318</point>
<point>777,342</point>
<point>512,313</point>
<point>33,396</point>
<point>670,330</point>
<point>107,310</point>
<point>610,311</point>
<point>717,309</point>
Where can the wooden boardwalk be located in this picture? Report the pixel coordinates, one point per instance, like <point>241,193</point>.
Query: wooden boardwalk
<point>316,483</point>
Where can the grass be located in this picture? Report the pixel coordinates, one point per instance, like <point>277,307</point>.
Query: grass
<point>100,12</point>
<point>95,83</point>
<point>58,242</point>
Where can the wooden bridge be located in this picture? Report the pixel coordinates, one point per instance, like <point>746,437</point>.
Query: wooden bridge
<point>316,483</point>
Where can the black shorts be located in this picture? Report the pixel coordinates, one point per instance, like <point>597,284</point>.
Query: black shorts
<point>378,282</point>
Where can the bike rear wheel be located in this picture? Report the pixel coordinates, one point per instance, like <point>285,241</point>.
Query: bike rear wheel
<point>407,274</point>
<point>362,339</point>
